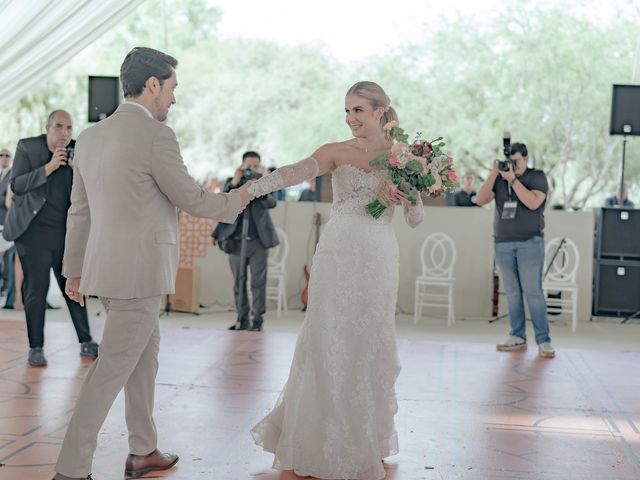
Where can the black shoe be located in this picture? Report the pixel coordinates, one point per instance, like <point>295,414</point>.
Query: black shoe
<point>256,327</point>
<point>89,349</point>
<point>239,326</point>
<point>36,357</point>
<point>8,307</point>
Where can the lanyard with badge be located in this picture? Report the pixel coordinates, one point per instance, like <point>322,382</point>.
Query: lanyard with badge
<point>510,207</point>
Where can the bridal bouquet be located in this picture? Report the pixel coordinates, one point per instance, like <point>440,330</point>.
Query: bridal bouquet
<point>416,167</point>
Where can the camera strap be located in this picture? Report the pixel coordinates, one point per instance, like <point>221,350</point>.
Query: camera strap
<point>510,207</point>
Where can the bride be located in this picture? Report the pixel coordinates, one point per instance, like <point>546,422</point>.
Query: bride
<point>334,418</point>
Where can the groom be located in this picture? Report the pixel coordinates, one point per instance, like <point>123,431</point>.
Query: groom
<point>122,245</point>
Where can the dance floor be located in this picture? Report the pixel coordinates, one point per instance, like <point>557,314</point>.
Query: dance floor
<point>466,411</point>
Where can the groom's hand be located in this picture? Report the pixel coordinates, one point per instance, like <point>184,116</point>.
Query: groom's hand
<point>71,289</point>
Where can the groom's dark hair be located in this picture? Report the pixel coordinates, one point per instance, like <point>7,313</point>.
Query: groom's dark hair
<point>142,63</point>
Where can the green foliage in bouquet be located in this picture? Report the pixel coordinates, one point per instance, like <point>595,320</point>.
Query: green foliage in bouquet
<point>418,167</point>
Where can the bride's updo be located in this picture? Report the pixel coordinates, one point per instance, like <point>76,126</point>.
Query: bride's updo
<point>374,94</point>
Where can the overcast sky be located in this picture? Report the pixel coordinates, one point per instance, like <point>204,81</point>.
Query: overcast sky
<point>353,29</point>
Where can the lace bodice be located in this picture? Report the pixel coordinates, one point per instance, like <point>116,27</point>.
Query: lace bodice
<point>353,189</point>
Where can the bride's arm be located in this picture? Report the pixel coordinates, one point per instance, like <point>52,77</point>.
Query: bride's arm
<point>413,213</point>
<point>317,164</point>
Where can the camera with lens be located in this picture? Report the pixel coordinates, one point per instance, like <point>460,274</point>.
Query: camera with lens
<point>504,165</point>
<point>248,174</point>
<point>70,152</point>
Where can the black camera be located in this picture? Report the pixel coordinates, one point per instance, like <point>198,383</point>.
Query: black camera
<point>70,152</point>
<point>504,165</point>
<point>248,174</point>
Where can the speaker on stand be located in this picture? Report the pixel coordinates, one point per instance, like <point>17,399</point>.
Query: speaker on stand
<point>616,280</point>
<point>104,97</point>
<point>625,119</point>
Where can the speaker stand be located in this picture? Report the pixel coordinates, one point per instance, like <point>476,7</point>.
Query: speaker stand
<point>632,317</point>
<point>624,155</point>
<point>499,317</point>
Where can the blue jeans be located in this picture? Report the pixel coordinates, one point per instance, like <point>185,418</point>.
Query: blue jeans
<point>521,265</point>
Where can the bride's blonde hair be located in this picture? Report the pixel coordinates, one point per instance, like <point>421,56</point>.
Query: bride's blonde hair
<point>376,96</point>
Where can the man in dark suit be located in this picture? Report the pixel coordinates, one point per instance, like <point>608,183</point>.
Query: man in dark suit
<point>5,177</point>
<point>261,237</point>
<point>41,180</point>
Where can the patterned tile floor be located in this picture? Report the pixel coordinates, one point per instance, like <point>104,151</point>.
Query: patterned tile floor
<point>466,411</point>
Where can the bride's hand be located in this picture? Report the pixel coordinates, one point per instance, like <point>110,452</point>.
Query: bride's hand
<point>402,198</point>
<point>384,195</point>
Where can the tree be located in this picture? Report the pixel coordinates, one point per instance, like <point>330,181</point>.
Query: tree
<point>542,72</point>
<point>546,77</point>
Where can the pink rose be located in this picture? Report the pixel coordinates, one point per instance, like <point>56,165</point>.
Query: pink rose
<point>393,161</point>
<point>451,175</point>
<point>399,147</point>
<point>390,125</point>
<point>436,186</point>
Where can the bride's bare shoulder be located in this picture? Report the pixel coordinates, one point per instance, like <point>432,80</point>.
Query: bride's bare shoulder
<point>330,155</point>
<point>336,150</point>
<point>336,147</point>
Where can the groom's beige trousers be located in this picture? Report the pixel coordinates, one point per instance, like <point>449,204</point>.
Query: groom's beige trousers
<point>128,357</point>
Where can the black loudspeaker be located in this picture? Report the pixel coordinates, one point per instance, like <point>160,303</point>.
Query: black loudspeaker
<point>625,110</point>
<point>618,233</point>
<point>616,288</point>
<point>104,97</point>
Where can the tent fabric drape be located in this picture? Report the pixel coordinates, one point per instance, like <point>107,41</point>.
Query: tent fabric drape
<point>38,36</point>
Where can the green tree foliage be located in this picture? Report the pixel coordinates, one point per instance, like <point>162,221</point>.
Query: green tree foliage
<point>543,73</point>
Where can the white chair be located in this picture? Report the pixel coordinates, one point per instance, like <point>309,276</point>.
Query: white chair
<point>277,274</point>
<point>561,265</point>
<point>438,256</point>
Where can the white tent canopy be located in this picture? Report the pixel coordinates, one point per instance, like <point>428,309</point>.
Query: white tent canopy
<point>37,36</point>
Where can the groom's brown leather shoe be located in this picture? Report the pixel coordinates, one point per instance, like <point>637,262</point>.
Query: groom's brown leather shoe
<point>139,465</point>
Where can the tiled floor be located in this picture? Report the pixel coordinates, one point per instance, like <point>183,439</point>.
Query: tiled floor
<point>466,411</point>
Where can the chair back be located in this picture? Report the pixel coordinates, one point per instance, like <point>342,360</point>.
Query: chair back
<point>278,254</point>
<point>561,261</point>
<point>438,256</point>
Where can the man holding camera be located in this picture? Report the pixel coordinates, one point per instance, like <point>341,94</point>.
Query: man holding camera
<point>41,180</point>
<point>260,237</point>
<point>520,195</point>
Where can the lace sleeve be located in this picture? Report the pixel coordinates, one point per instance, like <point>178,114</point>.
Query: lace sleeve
<point>413,214</point>
<point>285,177</point>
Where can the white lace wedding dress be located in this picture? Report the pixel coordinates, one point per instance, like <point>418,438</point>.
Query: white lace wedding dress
<point>334,418</point>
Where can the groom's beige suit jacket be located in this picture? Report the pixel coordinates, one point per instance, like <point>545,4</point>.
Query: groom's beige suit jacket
<point>122,228</point>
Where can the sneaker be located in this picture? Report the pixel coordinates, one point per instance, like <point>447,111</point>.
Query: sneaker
<point>89,349</point>
<point>512,343</point>
<point>36,357</point>
<point>546,350</point>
